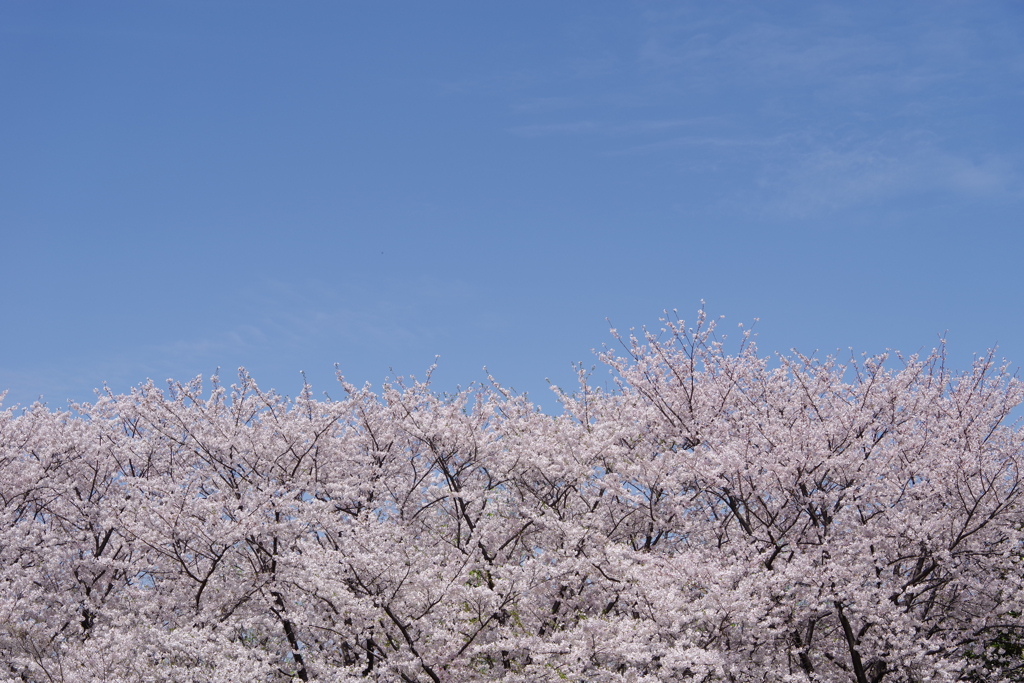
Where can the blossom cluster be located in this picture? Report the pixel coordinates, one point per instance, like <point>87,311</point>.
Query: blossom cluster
<point>712,516</point>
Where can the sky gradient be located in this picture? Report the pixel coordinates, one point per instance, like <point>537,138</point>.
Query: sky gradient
<point>192,185</point>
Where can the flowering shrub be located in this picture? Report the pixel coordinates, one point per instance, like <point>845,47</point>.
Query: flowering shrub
<point>714,517</point>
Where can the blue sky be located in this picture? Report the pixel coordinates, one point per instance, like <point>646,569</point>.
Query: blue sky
<point>285,186</point>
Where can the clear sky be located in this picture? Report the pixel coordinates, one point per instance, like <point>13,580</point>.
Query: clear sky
<point>285,186</point>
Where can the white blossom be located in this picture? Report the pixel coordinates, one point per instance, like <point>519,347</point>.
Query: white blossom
<point>714,517</point>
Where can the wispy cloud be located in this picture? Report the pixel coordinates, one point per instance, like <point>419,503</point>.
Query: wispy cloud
<point>605,127</point>
<point>827,177</point>
<point>297,313</point>
<point>841,50</point>
<point>736,143</point>
<point>540,105</point>
<point>806,112</point>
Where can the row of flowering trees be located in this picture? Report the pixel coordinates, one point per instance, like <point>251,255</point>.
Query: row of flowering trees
<point>712,517</point>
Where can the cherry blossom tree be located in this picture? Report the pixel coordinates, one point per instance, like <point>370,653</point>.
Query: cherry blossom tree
<point>713,516</point>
